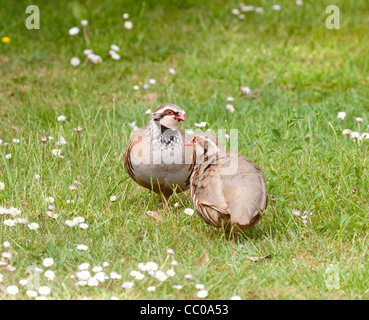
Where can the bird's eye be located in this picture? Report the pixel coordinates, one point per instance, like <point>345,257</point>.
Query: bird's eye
<point>169,112</point>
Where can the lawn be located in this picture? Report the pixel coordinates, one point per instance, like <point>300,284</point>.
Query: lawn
<point>301,75</point>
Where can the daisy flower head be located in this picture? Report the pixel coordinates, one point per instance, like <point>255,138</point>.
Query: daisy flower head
<point>236,12</point>
<point>70,223</point>
<point>152,81</point>
<point>49,274</point>
<point>44,290</point>
<point>188,211</point>
<point>2,185</point>
<point>105,264</point>
<point>33,226</point>
<point>83,275</point>
<point>296,213</point>
<point>21,220</point>
<point>8,156</point>
<point>358,119</point>
<point>341,115</point>
<point>12,290</point>
<point>235,298</point>
<point>346,131</point>
<point>171,273</point>
<point>92,282</point>
<point>15,140</point>
<point>14,211</point>
<point>114,275</point>
<point>151,289</point>
<point>176,286</point>
<point>355,134</point>
<point>9,222</point>
<point>201,124</point>
<point>31,293</point>
<point>276,7</point>
<point>84,23</point>
<point>82,247</point>
<point>114,47</point>
<point>73,31</point>
<point>83,225</point>
<point>245,90</point>
<point>299,2</point>
<point>72,187</point>
<point>97,269</point>
<point>230,108</point>
<point>56,152</point>
<point>62,118</point>
<point>136,87</point>
<point>128,25</point>
<point>202,294</point>
<point>75,62</point>
<point>84,266</point>
<point>199,286</point>
<point>151,266</point>
<point>125,15</point>
<point>87,51</point>
<point>127,285</point>
<point>172,71</point>
<point>51,214</point>
<point>170,251</point>
<point>161,276</point>
<point>6,244</point>
<point>113,198</point>
<point>47,262</point>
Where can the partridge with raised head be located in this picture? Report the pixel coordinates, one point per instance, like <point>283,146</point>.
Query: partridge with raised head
<point>227,189</point>
<point>156,157</point>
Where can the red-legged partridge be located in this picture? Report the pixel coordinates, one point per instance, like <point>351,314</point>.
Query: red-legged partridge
<point>156,157</point>
<point>227,189</point>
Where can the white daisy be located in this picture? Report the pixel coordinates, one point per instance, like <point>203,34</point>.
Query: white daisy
<point>12,290</point>
<point>235,298</point>
<point>172,71</point>
<point>152,289</point>
<point>341,115</point>
<point>31,293</point>
<point>152,81</point>
<point>23,282</point>
<point>128,25</point>
<point>33,226</point>
<point>171,273</point>
<point>276,7</point>
<point>161,276</point>
<point>47,262</point>
<point>230,108</point>
<point>82,247</point>
<point>199,286</point>
<point>84,266</point>
<point>9,222</point>
<point>70,223</point>
<point>8,156</point>
<point>2,185</point>
<point>114,47</point>
<point>49,274</point>
<point>125,16</point>
<point>188,211</point>
<point>83,275</point>
<point>84,23</point>
<point>127,285</point>
<point>73,31</point>
<point>62,118</point>
<point>202,294</point>
<point>44,290</point>
<point>75,62</point>
<point>83,225</point>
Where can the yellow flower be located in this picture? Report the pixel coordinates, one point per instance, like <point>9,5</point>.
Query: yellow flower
<point>5,39</point>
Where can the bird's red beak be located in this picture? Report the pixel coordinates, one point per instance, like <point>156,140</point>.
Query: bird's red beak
<point>189,143</point>
<point>180,117</point>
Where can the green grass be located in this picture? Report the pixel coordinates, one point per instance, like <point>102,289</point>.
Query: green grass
<point>305,74</point>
